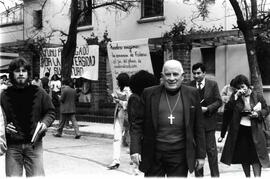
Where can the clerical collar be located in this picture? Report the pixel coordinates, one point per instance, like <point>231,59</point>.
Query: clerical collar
<point>172,93</point>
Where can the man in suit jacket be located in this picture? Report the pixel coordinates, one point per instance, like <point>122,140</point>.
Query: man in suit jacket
<point>210,102</point>
<point>68,108</point>
<point>167,139</point>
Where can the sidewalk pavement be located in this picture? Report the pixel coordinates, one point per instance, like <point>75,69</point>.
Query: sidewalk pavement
<point>105,130</point>
<point>87,129</point>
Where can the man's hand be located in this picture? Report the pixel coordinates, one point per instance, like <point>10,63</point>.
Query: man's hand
<point>136,158</point>
<point>11,129</point>
<point>199,164</point>
<point>43,127</point>
<point>254,114</point>
<point>204,109</point>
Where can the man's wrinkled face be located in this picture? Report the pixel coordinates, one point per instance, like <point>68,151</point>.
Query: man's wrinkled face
<point>198,75</point>
<point>172,77</point>
<point>20,76</point>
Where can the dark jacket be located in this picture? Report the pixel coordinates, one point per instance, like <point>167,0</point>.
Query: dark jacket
<point>67,99</point>
<point>134,107</point>
<point>231,121</point>
<point>25,108</point>
<point>212,101</point>
<point>143,127</point>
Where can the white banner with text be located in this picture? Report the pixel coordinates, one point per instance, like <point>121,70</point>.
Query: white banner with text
<point>128,57</point>
<point>85,62</point>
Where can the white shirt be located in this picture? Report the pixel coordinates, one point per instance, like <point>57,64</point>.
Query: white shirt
<point>202,84</point>
<point>55,85</point>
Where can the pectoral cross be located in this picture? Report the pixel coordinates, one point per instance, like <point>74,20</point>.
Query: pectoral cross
<point>171,118</point>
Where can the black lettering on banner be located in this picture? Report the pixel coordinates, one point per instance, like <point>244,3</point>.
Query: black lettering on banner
<point>84,61</point>
<point>116,47</point>
<point>93,61</point>
<point>76,51</point>
<point>56,62</point>
<point>59,51</point>
<point>79,61</point>
<point>57,70</point>
<point>77,71</point>
<point>48,69</point>
<point>48,62</point>
<point>75,60</point>
<point>45,62</point>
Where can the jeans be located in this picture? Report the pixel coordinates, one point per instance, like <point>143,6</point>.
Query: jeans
<point>27,156</point>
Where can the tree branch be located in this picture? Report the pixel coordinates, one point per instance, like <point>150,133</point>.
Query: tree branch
<point>43,4</point>
<point>4,5</point>
<point>254,10</point>
<point>246,9</point>
<point>238,13</point>
<point>124,5</point>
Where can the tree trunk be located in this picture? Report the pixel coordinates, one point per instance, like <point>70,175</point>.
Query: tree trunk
<point>255,74</point>
<point>69,47</point>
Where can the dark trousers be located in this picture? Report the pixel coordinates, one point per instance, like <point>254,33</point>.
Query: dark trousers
<point>64,119</point>
<point>170,164</point>
<point>212,154</point>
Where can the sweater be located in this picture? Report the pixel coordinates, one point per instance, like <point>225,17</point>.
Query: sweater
<point>25,108</point>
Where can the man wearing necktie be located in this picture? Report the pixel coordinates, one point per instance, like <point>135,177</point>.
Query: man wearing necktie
<point>210,102</point>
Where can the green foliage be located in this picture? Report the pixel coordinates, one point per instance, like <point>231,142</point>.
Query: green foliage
<point>202,6</point>
<point>204,30</point>
<point>179,31</point>
<point>93,40</point>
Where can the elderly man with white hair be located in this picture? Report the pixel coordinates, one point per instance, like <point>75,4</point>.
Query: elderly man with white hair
<point>167,139</point>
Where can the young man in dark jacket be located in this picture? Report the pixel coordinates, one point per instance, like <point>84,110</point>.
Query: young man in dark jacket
<point>68,108</point>
<point>25,106</point>
<point>210,102</point>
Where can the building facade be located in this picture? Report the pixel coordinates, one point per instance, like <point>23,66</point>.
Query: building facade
<point>50,19</point>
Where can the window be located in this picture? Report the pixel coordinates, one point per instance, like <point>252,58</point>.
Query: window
<point>86,17</point>
<point>152,8</point>
<point>208,59</point>
<point>37,19</point>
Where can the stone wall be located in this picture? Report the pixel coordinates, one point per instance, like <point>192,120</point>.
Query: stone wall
<point>180,52</point>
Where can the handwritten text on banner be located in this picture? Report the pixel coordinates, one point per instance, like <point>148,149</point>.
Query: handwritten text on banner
<point>128,56</point>
<point>85,62</point>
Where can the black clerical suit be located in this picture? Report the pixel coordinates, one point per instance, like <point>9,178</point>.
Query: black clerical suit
<point>159,157</point>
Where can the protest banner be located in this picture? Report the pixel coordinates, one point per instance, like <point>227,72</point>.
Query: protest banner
<point>129,57</point>
<point>85,62</point>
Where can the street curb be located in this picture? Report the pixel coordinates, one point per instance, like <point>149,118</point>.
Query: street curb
<point>83,133</point>
<point>102,135</point>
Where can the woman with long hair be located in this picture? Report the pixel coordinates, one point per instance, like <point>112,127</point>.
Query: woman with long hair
<point>120,97</point>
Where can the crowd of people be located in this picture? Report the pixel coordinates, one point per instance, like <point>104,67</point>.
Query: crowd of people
<point>168,125</point>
